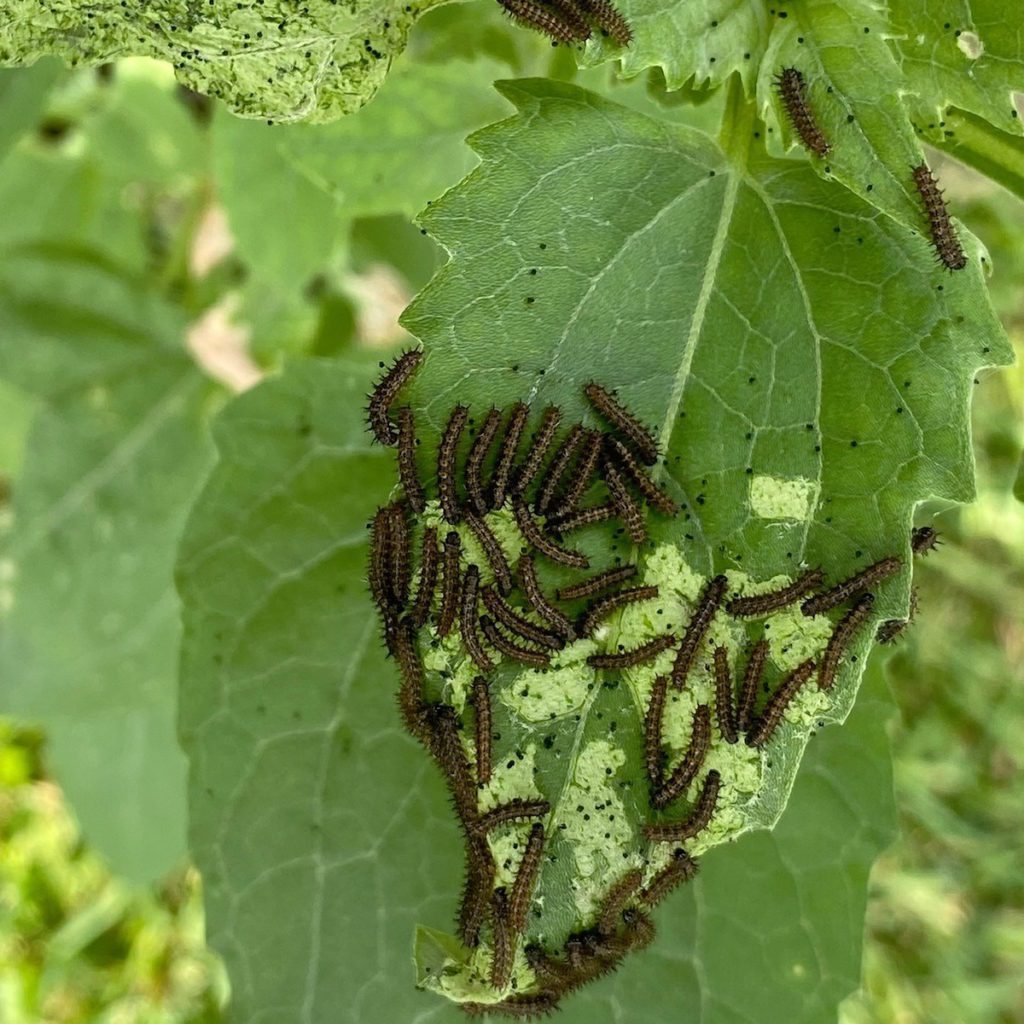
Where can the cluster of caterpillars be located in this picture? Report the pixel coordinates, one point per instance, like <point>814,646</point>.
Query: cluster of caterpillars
<point>545,488</point>
<point>570,21</point>
<point>792,88</point>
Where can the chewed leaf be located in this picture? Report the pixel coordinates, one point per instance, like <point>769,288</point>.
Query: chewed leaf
<point>277,60</point>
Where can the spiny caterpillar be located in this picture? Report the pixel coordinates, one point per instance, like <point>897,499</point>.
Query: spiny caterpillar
<point>944,237</point>
<point>477,581</point>
<point>793,93</point>
<point>568,21</point>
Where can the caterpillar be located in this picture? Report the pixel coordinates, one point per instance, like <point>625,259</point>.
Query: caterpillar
<point>843,633</point>
<point>413,679</point>
<point>698,819</point>
<point>468,619</point>
<point>793,92</point>
<point>537,539</point>
<point>446,746</point>
<point>764,728</point>
<point>386,392</point>
<point>923,539</point>
<point>751,682</point>
<point>558,620</point>
<point>516,809</point>
<point>503,939</point>
<point>599,610</point>
<point>427,579</point>
<point>707,605</point>
<point>507,452</point>
<point>476,893</point>
<point>515,623</point>
<point>634,656</point>
<point>765,604</point>
<point>583,517</point>
<point>446,453</point>
<point>401,555</point>
<point>475,461</point>
<point>631,513</point>
<point>482,708</point>
<point>681,868</point>
<point>510,649</point>
<point>407,461</point>
<point>559,464</point>
<point>724,696</point>
<point>624,421</point>
<point>843,591</point>
<point>609,20</point>
<point>582,473</point>
<point>538,449</point>
<point>647,487</point>
<point>696,751</point>
<point>492,549</point>
<point>526,879</point>
<point>555,24</point>
<point>379,571</point>
<point>597,584</point>
<point>652,733</point>
<point>450,582</point>
<point>944,237</point>
<point>616,899</point>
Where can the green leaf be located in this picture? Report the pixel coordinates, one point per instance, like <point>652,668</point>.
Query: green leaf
<point>88,640</point>
<point>22,98</point>
<point>315,820</point>
<point>966,56</point>
<point>267,60</point>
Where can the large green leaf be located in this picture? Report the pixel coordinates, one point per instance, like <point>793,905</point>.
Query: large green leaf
<point>322,830</point>
<point>275,60</point>
<point>89,634</point>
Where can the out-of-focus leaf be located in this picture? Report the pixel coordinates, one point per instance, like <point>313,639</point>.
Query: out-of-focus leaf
<point>264,59</point>
<point>23,95</point>
<point>89,634</point>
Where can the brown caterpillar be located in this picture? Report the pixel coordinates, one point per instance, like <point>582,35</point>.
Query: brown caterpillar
<point>584,517</point>
<point>504,613</point>
<point>555,24</point>
<point>446,453</point>
<point>682,868</point>
<point>451,580</point>
<point>698,819</point>
<point>624,421</point>
<point>511,649</point>
<point>631,513</point>
<point>400,563</point>
<point>609,20</point>
<point>751,682</point>
<point>446,746</point>
<point>923,539</point>
<point>385,393</point>
<point>596,611</point>
<point>407,461</point>
<point>476,893</point>
<point>516,809</point>
<point>582,473</point>
<point>653,756</point>
<point>379,571</point>
<point>526,879</point>
<point>616,899</point>
<point>596,584</point>
<point>558,620</point>
<point>635,655</point>
<point>944,237</point>
<point>764,728</point>
<point>559,464</point>
<point>427,579</point>
<point>843,633</point>
<point>724,696</point>
<point>538,450</point>
<point>793,92</point>
<point>402,642</point>
<point>507,452</point>
<point>843,591</point>
<point>482,707</point>
<point>647,487</point>
<point>707,605</point>
<point>492,549</point>
<point>535,537</point>
<point>503,940</point>
<point>696,751</point>
<point>475,461</point>
<point>526,1007</point>
<point>765,604</point>
<point>468,619</point>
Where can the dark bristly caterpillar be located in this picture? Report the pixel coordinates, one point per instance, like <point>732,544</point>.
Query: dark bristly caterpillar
<point>624,421</point>
<point>599,610</point>
<point>589,516</point>
<point>537,539</point>
<point>526,879</point>
<point>538,659</point>
<point>923,539</point>
<point>892,629</point>
<point>516,809</point>
<point>556,470</point>
<point>450,583</point>
<point>698,819</point>
<point>634,656</point>
<point>615,901</point>
<point>724,707</point>
<point>653,755</point>
<point>538,450</point>
<point>385,393</point>
<point>492,549</point>
<point>504,613</point>
<point>525,1007</point>
<point>844,632</point>
<point>597,584</point>
<point>552,23</point>
<point>482,708</point>
<point>793,93</point>
<point>686,770</point>
<point>751,682</point>
<point>944,237</point>
<point>447,451</point>
<point>468,619</point>
<point>681,868</point>
<point>764,728</point>
<point>630,512</point>
<point>652,493</point>
<point>764,604</point>
<point>508,449</point>
<point>555,617</point>
<point>582,474</point>
<point>379,569</point>
<point>475,461</point>
<point>427,582</point>
<point>843,591</point>
<point>504,944</point>
<point>407,461</point>
<point>609,20</point>
<point>410,700</point>
<point>707,606</point>
<point>476,893</point>
<point>401,554</point>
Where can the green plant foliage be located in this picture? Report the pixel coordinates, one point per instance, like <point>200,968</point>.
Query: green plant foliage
<point>267,60</point>
<point>114,455</point>
<point>23,93</point>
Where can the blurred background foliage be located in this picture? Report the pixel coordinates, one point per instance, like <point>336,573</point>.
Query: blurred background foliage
<point>156,179</point>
